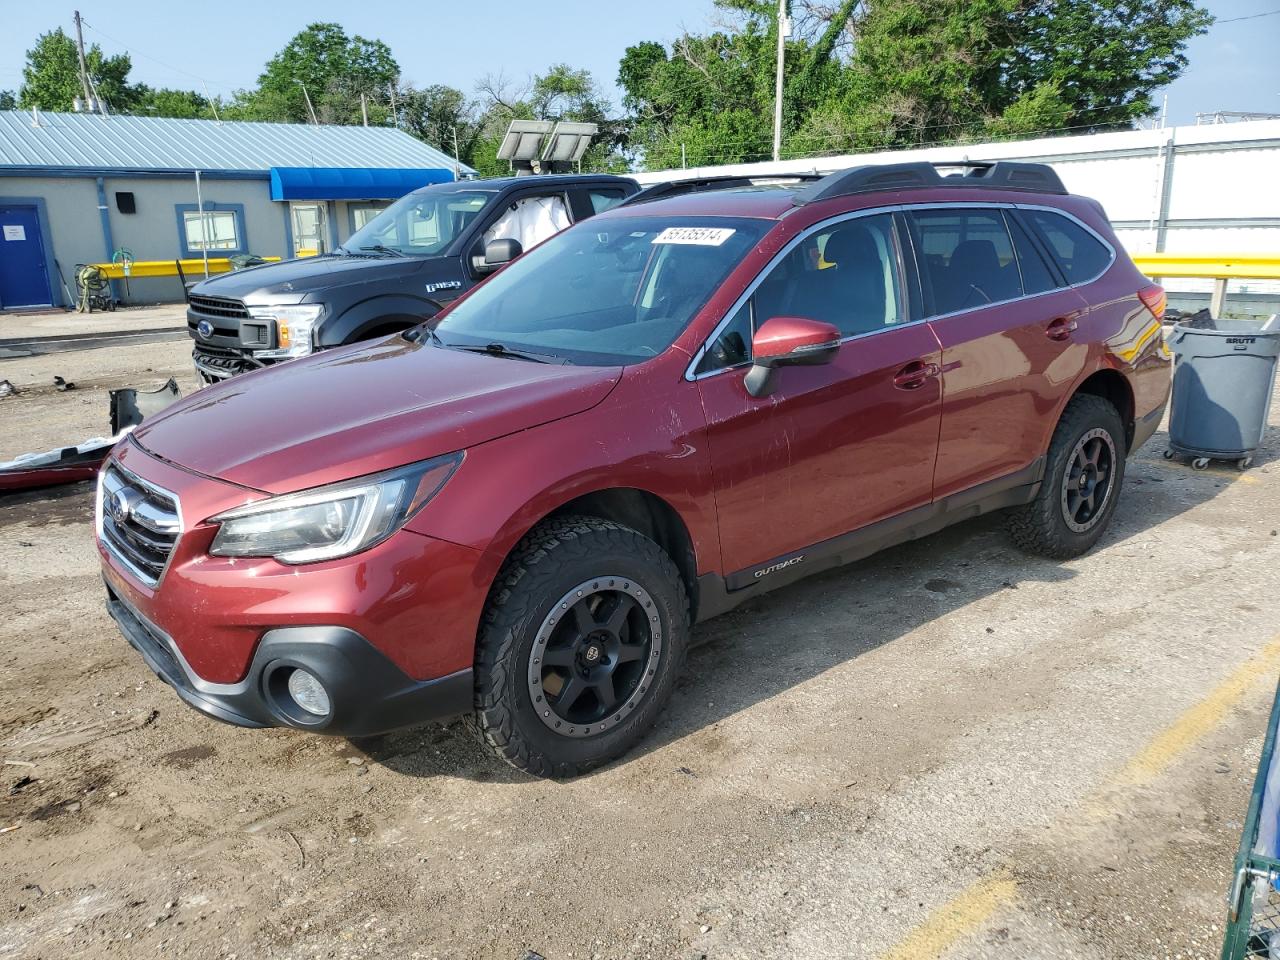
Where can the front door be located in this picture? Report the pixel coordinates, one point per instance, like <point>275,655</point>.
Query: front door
<point>310,229</point>
<point>835,447</point>
<point>24,271</point>
<point>1008,347</point>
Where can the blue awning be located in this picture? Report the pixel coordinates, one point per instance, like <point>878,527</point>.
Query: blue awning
<point>350,183</point>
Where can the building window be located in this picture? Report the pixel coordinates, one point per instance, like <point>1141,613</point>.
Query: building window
<point>362,213</point>
<point>219,230</point>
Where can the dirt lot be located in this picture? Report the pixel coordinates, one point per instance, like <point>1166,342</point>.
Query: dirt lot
<point>948,749</point>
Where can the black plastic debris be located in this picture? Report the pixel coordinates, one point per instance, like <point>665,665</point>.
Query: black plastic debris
<point>63,385</point>
<point>129,406</point>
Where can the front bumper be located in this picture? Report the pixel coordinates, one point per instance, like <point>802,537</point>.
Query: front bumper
<point>214,364</point>
<point>368,693</point>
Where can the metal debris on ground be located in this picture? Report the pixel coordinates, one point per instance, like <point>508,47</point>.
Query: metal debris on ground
<point>7,389</point>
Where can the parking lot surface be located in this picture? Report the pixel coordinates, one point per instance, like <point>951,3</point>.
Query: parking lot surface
<point>950,749</point>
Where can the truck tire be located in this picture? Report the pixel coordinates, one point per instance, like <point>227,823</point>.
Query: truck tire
<point>580,646</point>
<point>1083,475</point>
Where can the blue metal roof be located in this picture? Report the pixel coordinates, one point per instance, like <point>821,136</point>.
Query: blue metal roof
<point>350,183</point>
<point>80,140</point>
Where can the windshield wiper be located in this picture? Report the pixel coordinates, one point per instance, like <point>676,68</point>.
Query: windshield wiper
<point>499,350</point>
<point>381,248</point>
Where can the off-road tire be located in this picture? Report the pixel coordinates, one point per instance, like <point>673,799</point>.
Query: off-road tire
<point>1041,526</point>
<point>546,563</point>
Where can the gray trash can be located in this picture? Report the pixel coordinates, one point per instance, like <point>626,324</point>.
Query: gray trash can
<point>1223,376</point>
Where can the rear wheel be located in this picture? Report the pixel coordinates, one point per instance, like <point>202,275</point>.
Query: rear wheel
<point>1083,475</point>
<point>582,642</point>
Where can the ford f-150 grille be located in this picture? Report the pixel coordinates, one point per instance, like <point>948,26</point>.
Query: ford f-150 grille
<point>138,522</point>
<point>219,307</point>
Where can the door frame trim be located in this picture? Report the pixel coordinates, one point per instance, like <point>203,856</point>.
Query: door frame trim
<point>46,242</point>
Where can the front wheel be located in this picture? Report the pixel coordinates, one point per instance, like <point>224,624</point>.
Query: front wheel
<point>1083,475</point>
<point>582,642</point>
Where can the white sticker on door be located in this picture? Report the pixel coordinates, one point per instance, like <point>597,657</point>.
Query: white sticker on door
<point>14,231</point>
<point>700,236</point>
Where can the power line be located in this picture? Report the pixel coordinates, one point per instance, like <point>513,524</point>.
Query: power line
<point>167,66</point>
<point>1252,16</point>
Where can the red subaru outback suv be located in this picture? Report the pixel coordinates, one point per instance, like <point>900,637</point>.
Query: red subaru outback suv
<point>519,511</point>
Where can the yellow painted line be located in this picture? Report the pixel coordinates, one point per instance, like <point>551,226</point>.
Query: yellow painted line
<point>954,920</point>
<point>1193,725</point>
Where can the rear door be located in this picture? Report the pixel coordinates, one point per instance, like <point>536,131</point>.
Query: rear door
<point>1009,339</point>
<point>836,447</point>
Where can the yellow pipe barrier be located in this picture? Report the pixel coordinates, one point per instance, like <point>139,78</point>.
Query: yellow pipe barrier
<point>192,268</point>
<point>1217,266</point>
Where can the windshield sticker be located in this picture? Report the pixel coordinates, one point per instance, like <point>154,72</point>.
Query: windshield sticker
<point>699,236</point>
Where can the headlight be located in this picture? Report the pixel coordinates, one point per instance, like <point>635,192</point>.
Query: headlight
<point>295,326</point>
<point>333,521</point>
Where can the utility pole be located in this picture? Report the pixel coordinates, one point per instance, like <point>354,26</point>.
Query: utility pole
<point>784,31</point>
<point>306,96</point>
<point>84,70</point>
<point>364,109</point>
<point>457,159</point>
<point>395,116</point>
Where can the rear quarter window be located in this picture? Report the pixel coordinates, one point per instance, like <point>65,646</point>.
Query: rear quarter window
<point>1080,254</point>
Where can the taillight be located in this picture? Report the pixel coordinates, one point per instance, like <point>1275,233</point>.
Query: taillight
<point>1154,298</point>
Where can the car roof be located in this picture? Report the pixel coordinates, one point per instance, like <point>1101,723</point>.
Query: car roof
<point>498,184</point>
<point>761,202</point>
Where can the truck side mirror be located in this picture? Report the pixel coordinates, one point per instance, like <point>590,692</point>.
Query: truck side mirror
<point>498,253</point>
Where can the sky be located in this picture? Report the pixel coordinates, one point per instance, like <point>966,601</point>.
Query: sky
<point>1233,67</point>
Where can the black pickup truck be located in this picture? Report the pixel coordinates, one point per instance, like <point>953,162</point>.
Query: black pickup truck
<point>396,271</point>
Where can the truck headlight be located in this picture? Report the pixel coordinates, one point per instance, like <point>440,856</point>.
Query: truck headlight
<point>332,521</point>
<point>295,327</point>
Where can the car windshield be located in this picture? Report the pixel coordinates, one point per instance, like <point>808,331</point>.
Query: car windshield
<point>419,224</point>
<point>605,292</point>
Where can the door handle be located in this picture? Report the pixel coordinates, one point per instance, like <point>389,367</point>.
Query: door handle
<point>914,375</point>
<point>1062,328</point>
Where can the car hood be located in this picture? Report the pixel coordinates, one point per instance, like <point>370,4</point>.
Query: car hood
<point>288,281</point>
<point>361,409</point>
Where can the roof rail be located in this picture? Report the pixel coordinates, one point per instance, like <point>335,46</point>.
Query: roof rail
<point>985,174</point>
<point>673,188</point>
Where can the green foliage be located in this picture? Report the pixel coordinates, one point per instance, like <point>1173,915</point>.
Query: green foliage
<point>335,70</point>
<point>8,100</point>
<point>51,77</point>
<point>894,73</point>
<point>164,102</point>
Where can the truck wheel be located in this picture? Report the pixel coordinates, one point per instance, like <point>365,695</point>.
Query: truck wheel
<point>580,646</point>
<point>1081,485</point>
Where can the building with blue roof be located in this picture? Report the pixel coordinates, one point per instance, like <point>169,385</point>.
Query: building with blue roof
<point>80,188</point>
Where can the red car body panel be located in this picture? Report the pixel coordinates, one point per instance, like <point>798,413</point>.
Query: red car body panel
<point>833,449</point>
<point>376,404</point>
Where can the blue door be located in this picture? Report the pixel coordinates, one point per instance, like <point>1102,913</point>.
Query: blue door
<point>24,275</point>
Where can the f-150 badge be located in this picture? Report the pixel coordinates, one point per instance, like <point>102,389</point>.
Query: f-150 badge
<point>444,285</point>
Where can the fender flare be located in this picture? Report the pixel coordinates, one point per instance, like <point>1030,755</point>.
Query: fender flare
<point>357,321</point>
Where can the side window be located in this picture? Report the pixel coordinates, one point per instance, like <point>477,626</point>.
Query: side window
<point>845,275</point>
<point>602,199</point>
<point>733,346</point>
<point>968,258</point>
<point>1080,254</point>
<point>531,220</point>
<point>1036,275</point>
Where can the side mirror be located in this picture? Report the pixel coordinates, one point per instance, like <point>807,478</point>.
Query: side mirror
<point>788,342</point>
<point>498,253</point>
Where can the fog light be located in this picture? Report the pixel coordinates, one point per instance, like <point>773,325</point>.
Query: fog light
<point>308,693</point>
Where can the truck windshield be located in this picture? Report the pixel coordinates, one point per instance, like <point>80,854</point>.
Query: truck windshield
<point>604,292</point>
<point>419,224</point>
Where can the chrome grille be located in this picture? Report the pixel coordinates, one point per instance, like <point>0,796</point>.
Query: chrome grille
<point>219,307</point>
<point>138,522</point>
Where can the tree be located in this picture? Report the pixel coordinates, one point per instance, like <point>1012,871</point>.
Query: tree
<point>335,71</point>
<point>8,100</point>
<point>439,115</point>
<point>51,77</point>
<point>869,74</point>
<point>162,102</point>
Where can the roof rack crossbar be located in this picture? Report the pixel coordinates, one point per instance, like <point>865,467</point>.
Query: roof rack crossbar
<point>915,175</point>
<point>728,181</point>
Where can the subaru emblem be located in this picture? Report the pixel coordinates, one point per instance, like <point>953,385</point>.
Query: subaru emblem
<point>120,507</point>
<point>205,329</point>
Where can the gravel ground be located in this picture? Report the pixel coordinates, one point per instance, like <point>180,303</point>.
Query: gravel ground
<point>842,758</point>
